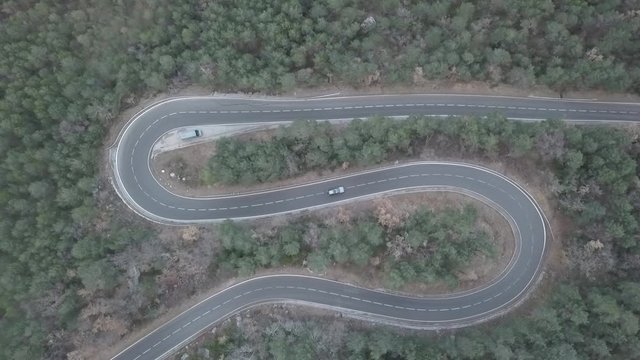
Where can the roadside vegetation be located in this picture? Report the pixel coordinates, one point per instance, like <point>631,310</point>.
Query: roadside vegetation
<point>423,248</point>
<point>595,173</point>
<point>68,68</point>
<point>575,323</point>
<point>592,173</point>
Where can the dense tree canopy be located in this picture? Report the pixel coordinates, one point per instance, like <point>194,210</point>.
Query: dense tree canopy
<point>68,68</point>
<point>427,247</point>
<point>596,174</point>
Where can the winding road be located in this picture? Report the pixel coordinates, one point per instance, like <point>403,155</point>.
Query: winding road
<point>137,186</point>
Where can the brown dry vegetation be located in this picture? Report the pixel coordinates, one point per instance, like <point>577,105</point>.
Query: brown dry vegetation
<point>186,252</point>
<point>391,211</point>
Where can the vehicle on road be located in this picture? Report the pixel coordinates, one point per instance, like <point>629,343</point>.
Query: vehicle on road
<point>187,134</point>
<point>335,191</point>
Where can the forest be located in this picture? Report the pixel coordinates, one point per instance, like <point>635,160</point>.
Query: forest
<point>424,247</point>
<point>69,68</point>
<point>595,167</point>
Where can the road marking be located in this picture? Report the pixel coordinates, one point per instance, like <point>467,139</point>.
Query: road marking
<point>396,105</point>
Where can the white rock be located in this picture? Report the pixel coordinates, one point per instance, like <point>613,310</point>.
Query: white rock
<point>368,23</point>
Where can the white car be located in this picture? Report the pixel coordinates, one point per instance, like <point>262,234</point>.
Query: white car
<point>338,190</point>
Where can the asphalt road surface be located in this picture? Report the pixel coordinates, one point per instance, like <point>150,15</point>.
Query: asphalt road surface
<point>137,186</point>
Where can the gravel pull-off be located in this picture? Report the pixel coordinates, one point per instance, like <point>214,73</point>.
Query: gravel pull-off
<point>171,140</point>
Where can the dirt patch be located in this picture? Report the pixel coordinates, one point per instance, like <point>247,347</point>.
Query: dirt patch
<point>179,170</point>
